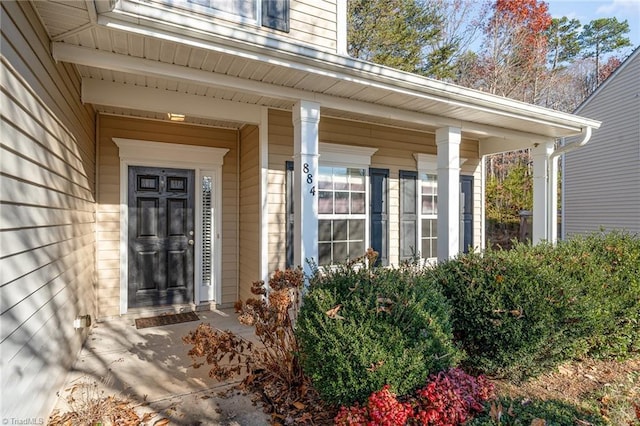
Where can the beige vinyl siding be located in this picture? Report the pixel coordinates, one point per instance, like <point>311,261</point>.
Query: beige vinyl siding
<point>280,151</point>
<point>314,22</point>
<point>109,198</point>
<point>395,149</point>
<point>249,210</point>
<point>47,216</point>
<point>602,179</point>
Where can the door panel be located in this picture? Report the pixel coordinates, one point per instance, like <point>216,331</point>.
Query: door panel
<point>161,221</point>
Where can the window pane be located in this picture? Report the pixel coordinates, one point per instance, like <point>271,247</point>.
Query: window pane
<point>339,230</point>
<point>244,8</point>
<point>357,203</point>
<point>339,252</point>
<point>324,178</point>
<point>325,202</point>
<point>356,230</point>
<point>324,230</point>
<point>342,202</point>
<point>324,253</point>
<point>428,205</point>
<point>356,249</point>
<point>425,250</point>
<point>357,179</point>
<point>340,178</point>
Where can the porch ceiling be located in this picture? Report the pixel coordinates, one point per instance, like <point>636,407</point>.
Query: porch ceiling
<point>227,70</point>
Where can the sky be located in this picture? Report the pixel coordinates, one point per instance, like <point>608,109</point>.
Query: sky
<point>588,10</point>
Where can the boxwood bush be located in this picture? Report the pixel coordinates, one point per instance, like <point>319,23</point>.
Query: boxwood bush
<point>520,312</point>
<point>362,328</point>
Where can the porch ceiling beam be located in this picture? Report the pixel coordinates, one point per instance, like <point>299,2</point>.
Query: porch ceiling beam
<point>128,64</point>
<point>106,93</point>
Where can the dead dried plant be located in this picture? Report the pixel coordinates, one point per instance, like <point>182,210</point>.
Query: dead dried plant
<point>271,316</point>
<point>89,405</point>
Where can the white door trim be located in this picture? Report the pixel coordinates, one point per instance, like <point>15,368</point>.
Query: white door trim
<point>205,161</point>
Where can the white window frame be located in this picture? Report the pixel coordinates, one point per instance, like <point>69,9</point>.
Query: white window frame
<point>427,164</point>
<point>205,161</point>
<point>354,157</point>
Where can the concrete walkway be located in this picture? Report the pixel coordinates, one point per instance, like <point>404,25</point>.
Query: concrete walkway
<point>150,368</point>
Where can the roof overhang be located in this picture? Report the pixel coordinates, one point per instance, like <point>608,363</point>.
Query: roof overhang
<point>253,75</point>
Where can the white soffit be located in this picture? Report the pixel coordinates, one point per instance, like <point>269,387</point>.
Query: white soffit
<point>476,122</point>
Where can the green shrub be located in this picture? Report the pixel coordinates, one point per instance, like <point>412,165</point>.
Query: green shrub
<point>520,312</point>
<point>606,267</point>
<point>505,311</point>
<point>362,328</point>
<point>521,412</point>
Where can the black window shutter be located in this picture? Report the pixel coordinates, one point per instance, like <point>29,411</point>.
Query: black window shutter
<point>275,14</point>
<point>466,187</point>
<point>408,214</point>
<point>289,212</point>
<point>379,219</point>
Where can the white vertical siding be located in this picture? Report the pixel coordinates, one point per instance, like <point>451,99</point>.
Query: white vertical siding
<point>602,179</point>
<point>47,216</point>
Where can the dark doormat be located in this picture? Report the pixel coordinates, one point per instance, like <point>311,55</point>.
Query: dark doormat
<point>167,319</point>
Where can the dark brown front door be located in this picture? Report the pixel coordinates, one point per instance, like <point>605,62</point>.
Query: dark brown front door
<point>161,236</point>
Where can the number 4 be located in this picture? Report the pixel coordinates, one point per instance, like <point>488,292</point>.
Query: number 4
<point>312,191</point>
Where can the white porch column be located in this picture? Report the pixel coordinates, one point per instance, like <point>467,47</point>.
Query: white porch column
<point>541,193</point>
<point>306,116</point>
<point>448,143</point>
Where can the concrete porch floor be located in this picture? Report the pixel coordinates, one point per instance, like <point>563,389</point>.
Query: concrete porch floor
<point>150,368</point>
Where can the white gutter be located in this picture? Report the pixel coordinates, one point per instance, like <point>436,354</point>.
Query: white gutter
<point>552,188</point>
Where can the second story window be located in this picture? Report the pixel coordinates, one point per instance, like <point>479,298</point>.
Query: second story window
<point>272,14</point>
<point>243,9</point>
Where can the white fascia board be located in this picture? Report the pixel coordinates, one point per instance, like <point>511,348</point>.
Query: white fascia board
<point>113,94</point>
<point>351,69</point>
<point>127,64</point>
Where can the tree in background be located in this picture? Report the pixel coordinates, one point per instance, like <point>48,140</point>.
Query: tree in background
<point>601,36</point>
<point>514,51</point>
<point>394,32</point>
<point>459,28</point>
<point>562,42</point>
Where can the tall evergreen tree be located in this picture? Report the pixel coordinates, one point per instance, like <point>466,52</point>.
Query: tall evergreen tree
<point>396,33</point>
<point>601,36</point>
<point>562,41</point>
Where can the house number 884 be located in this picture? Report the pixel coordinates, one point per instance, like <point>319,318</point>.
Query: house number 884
<point>305,170</point>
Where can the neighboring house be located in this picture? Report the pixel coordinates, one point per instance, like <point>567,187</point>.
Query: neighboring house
<point>161,155</point>
<point>601,181</point>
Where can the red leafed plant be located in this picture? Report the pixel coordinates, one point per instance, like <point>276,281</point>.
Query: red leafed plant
<point>449,398</point>
<point>382,409</point>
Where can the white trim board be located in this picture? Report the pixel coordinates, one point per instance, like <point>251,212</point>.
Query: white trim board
<point>205,161</point>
